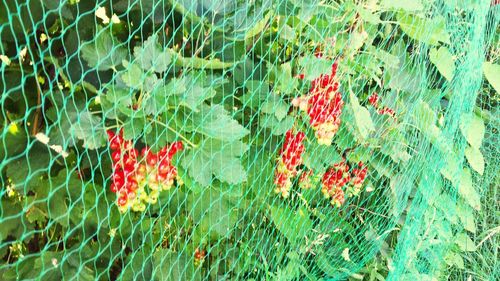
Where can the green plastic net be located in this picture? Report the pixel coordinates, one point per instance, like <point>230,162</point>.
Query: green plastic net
<point>249,140</point>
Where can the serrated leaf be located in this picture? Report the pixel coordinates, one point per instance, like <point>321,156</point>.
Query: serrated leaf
<point>275,104</point>
<point>319,157</point>
<point>467,190</point>
<point>276,126</point>
<point>158,100</point>
<point>257,92</point>
<point>196,91</point>
<point>133,127</point>
<point>465,243</point>
<point>189,91</point>
<point>444,61</point>
<point>216,158</point>
<point>294,225</point>
<point>151,56</point>
<point>364,122</point>
<point>492,74</point>
<point>215,122</point>
<point>90,128</point>
<point>475,158</point>
<point>134,77</point>
<point>282,77</point>
<point>314,67</point>
<point>425,30</point>
<point>472,127</point>
<point>104,52</point>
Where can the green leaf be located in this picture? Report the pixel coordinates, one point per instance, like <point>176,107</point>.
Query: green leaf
<point>158,137</point>
<point>172,266</point>
<point>424,117</point>
<point>425,30</point>
<point>213,213</point>
<point>466,215</point>
<point>492,74</point>
<point>475,158</point>
<point>119,97</point>
<point>196,91</point>
<point>11,219</point>
<point>135,78</point>
<point>199,63</point>
<point>406,5</point>
<point>275,104</point>
<point>23,172</point>
<point>444,61</point>
<point>258,27</point>
<point>136,262</point>
<point>394,144</point>
<point>217,158</point>
<point>133,127</point>
<point>364,122</point>
<point>257,91</point>
<point>313,67</point>
<point>157,101</point>
<point>104,52</point>
<point>467,190</point>
<point>215,122</point>
<point>465,243</point>
<point>472,127</point>
<point>283,79</point>
<point>294,225</point>
<point>277,127</point>
<point>151,56</point>
<point>454,259</point>
<point>319,157</point>
<point>90,129</point>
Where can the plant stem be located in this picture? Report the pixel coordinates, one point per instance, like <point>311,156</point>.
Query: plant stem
<point>177,133</point>
<point>36,119</point>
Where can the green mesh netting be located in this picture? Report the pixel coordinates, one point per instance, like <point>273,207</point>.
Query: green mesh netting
<point>249,140</point>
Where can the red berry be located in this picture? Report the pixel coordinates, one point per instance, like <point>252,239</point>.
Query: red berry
<point>116,156</point>
<point>122,200</point>
<point>114,188</point>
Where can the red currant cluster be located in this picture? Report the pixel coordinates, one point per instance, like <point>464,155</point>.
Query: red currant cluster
<point>359,175</point>
<point>338,177</point>
<point>374,101</point>
<point>290,158</point>
<point>137,183</point>
<point>324,106</point>
<point>199,256</point>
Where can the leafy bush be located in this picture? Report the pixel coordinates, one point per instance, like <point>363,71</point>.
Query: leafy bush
<point>174,140</point>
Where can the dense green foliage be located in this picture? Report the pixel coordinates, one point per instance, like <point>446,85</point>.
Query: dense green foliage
<point>419,86</point>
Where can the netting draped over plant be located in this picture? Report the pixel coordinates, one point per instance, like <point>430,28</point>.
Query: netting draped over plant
<point>229,140</point>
